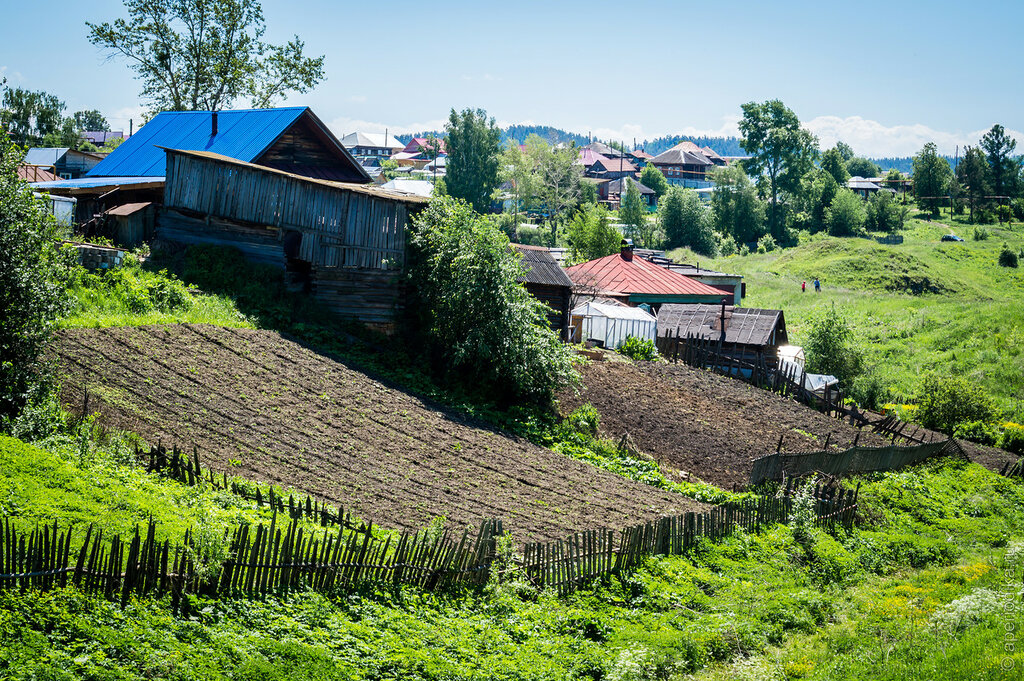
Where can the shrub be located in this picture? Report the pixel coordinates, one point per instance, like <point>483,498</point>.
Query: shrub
<point>726,245</point>
<point>846,215</point>
<point>1007,258</point>
<point>1004,213</point>
<point>1018,209</point>
<point>979,233</point>
<point>766,244</point>
<point>478,325</point>
<point>884,214</point>
<point>831,347</point>
<point>978,431</point>
<point>1012,439</point>
<point>33,295</point>
<point>985,216</point>
<point>949,401</point>
<point>638,349</point>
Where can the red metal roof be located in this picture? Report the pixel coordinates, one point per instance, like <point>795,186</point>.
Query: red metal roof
<point>36,173</point>
<point>616,274</point>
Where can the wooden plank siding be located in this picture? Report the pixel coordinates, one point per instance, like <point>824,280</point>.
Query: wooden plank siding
<point>353,237</point>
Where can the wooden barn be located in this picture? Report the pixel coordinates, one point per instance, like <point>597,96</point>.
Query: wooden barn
<point>746,334</point>
<point>346,242</point>
<point>547,282</point>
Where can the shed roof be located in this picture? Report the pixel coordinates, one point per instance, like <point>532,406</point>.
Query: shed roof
<point>594,308</point>
<point>128,209</point>
<point>541,266</point>
<point>101,185</point>
<point>368,189</point>
<point>31,173</point>
<point>619,275</point>
<point>242,134</point>
<point>369,139</point>
<point>744,325</point>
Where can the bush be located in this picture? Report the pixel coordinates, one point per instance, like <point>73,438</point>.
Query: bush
<point>832,349</point>
<point>638,349</point>
<point>978,431</point>
<point>33,291</point>
<point>478,325</point>
<point>766,244</point>
<point>1007,258</point>
<point>884,214</point>
<point>979,233</point>
<point>1018,209</point>
<point>950,401</point>
<point>726,245</point>
<point>1012,439</point>
<point>1004,213</point>
<point>846,215</point>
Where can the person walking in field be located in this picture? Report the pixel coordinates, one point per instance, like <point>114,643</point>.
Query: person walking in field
<point>817,285</point>
<point>803,287</point>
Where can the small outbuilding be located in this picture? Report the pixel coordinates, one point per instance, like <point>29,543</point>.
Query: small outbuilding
<point>746,334</point>
<point>547,282</point>
<point>610,324</point>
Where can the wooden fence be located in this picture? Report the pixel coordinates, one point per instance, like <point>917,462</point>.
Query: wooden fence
<point>787,379</point>
<point>779,466</point>
<point>267,559</point>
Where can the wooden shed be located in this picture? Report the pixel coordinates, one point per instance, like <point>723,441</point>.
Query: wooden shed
<point>748,334</point>
<point>130,223</point>
<point>547,282</point>
<point>346,241</point>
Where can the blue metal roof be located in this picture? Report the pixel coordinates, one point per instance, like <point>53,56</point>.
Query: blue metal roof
<point>92,182</point>
<point>45,156</point>
<point>240,134</point>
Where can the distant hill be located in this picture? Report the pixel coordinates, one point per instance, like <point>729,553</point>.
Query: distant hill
<point>726,146</point>
<point>904,164</point>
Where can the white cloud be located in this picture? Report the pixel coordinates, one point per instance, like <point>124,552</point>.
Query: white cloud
<point>871,138</point>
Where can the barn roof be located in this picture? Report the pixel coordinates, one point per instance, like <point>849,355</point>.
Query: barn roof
<point>241,134</point>
<point>541,266</point>
<point>633,275</point>
<point>368,189</point>
<point>744,325</point>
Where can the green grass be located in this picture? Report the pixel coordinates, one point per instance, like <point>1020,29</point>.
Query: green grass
<point>921,306</point>
<point>809,607</point>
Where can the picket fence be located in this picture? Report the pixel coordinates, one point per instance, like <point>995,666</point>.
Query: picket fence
<point>265,559</point>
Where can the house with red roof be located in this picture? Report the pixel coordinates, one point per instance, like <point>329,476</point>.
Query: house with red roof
<point>634,281</point>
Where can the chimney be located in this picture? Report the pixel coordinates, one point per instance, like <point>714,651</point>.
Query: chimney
<point>213,125</point>
<point>626,249</point>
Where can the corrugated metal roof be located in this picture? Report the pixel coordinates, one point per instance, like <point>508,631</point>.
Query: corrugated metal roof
<point>744,325</point>
<point>616,274</point>
<point>594,308</point>
<point>31,173</point>
<point>128,209</point>
<point>240,134</point>
<point>541,266</point>
<point>95,182</point>
<point>368,189</point>
<point>44,156</point>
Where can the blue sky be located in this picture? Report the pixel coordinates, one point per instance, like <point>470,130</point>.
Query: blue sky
<point>883,76</point>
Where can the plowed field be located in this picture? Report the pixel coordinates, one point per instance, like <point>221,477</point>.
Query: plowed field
<point>271,410</point>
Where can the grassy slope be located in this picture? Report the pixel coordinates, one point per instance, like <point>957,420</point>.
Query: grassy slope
<point>973,325</point>
<point>762,602</point>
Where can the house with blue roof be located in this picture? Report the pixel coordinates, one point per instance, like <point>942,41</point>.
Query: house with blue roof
<point>292,139</point>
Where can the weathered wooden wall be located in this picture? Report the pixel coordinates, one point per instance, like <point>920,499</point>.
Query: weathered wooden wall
<point>557,298</point>
<point>260,245</point>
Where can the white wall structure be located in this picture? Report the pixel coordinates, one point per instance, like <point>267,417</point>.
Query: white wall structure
<point>610,325</point>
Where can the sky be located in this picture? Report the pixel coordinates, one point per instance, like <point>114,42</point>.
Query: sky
<point>884,77</point>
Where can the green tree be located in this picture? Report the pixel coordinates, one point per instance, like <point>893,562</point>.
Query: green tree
<point>948,401</point>
<point>832,163</point>
<point>846,214</point>
<point>884,214</point>
<point>388,168</point>
<point>652,178</point>
<point>931,178</point>
<point>90,120</point>
<point>821,191</point>
<point>30,117</point>
<point>894,179</point>
<point>738,211</point>
<point>560,178</point>
<point>972,174</point>
<point>480,327</point>
<point>831,347</point>
<point>205,54</point>
<point>845,151</point>
<point>781,151</point>
<point>474,151</point>
<point>862,167</point>
<point>633,214</point>
<point>688,221</point>
<point>33,273</point>
<point>517,170</point>
<point>591,234</point>
<point>1004,169</point>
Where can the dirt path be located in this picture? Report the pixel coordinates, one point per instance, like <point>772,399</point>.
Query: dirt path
<point>269,409</point>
